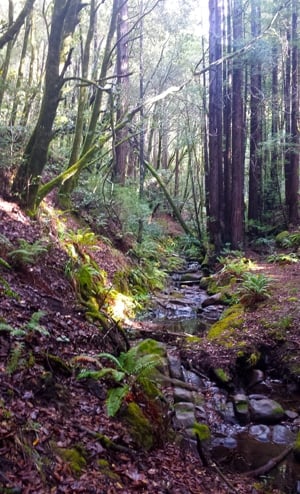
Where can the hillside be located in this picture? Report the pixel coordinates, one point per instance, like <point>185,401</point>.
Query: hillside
<point>53,426</point>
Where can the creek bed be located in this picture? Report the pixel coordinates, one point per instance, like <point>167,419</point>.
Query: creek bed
<point>243,439</point>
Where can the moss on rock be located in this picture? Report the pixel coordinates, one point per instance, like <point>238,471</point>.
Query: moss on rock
<point>222,331</point>
<point>139,426</point>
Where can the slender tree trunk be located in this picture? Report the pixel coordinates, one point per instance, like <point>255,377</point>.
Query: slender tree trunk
<point>26,183</point>
<point>292,162</point>
<point>215,178</point>
<point>90,136</point>
<point>5,66</point>
<point>238,133</point>
<point>68,186</point>
<point>227,120</point>
<point>256,120</point>
<point>23,56</point>
<point>15,27</point>
<point>121,141</point>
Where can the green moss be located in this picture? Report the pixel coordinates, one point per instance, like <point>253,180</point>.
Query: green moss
<point>202,431</point>
<point>222,375</point>
<point>75,457</point>
<point>106,469</point>
<point>140,427</point>
<point>226,327</point>
<point>193,339</point>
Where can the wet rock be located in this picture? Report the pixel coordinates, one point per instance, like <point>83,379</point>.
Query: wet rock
<point>282,435</point>
<point>212,300</point>
<point>291,415</point>
<point>192,378</point>
<point>181,394</point>
<point>191,277</point>
<point>184,415</point>
<point>241,406</point>
<point>266,410</point>
<point>261,432</point>
<point>175,367</point>
<point>228,413</point>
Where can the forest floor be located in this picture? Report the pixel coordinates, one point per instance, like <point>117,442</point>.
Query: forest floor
<point>44,409</point>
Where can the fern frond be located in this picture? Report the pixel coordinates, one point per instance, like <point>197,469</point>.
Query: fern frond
<point>115,398</point>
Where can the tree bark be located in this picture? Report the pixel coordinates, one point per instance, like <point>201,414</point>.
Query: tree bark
<point>215,172</point>
<point>255,170</point>
<point>26,183</point>
<point>238,134</point>
<point>15,27</point>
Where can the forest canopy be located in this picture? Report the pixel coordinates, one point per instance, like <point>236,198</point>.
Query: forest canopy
<point>168,105</point>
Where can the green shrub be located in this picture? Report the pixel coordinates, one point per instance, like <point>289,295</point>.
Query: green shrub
<point>255,288</point>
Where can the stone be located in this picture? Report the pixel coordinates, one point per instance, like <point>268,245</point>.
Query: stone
<point>212,300</point>
<point>184,415</point>
<point>175,367</point>
<point>241,406</point>
<point>291,415</point>
<point>261,432</point>
<point>282,435</point>
<point>182,394</point>
<point>266,411</point>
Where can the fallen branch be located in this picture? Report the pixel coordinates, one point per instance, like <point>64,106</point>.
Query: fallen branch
<point>104,440</point>
<point>270,464</point>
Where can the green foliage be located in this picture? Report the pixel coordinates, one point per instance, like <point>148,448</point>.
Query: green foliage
<point>283,258</point>
<point>27,253</point>
<point>81,238</point>
<point>31,326</point>
<point>234,266</point>
<point>255,288</point>
<point>20,336</point>
<point>132,371</point>
<point>292,240</point>
<point>190,247</point>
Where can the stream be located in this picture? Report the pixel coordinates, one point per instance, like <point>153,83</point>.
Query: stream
<point>251,421</point>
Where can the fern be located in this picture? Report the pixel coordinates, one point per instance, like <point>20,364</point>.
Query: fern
<point>255,288</point>
<point>27,253</point>
<point>14,358</point>
<point>133,370</point>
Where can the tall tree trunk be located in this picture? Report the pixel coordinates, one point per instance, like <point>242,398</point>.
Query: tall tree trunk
<point>68,186</point>
<point>5,65</point>
<point>19,81</point>
<point>215,174</point>
<point>238,133</point>
<point>90,136</point>
<point>15,27</point>
<point>255,170</point>
<point>227,121</point>
<point>292,161</point>
<point>26,183</point>
<point>121,142</point>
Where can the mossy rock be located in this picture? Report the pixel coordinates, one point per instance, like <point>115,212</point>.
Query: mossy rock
<point>202,431</point>
<point>140,427</point>
<point>224,330</point>
<point>107,470</point>
<point>222,376</point>
<point>75,457</point>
